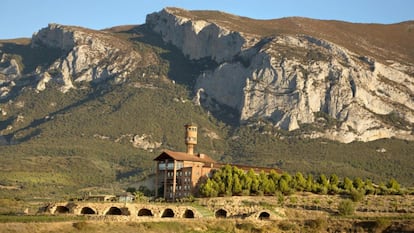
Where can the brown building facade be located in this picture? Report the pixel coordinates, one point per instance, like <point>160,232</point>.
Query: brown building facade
<point>178,174</point>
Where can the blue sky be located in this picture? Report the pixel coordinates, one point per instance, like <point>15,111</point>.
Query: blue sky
<point>21,18</point>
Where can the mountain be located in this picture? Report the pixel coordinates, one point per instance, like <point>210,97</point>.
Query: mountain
<point>95,107</point>
<point>294,75</point>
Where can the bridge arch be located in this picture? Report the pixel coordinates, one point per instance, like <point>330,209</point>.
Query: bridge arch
<point>188,214</point>
<point>145,212</point>
<point>61,210</point>
<point>114,211</point>
<point>221,213</point>
<point>264,215</point>
<point>87,210</point>
<point>168,213</point>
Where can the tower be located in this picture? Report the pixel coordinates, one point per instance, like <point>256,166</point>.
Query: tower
<point>190,137</point>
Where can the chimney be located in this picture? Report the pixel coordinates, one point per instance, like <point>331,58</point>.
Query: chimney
<point>190,137</point>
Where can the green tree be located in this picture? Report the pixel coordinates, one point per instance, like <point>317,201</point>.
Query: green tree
<point>218,179</point>
<point>300,181</point>
<point>334,180</point>
<point>383,190</point>
<point>323,180</point>
<point>347,184</point>
<point>263,182</point>
<point>333,184</point>
<point>228,179</point>
<point>207,189</point>
<point>246,182</point>
<point>274,176</point>
<point>309,183</point>
<point>358,183</point>
<point>369,187</point>
<point>237,186</point>
<point>393,186</point>
<point>284,186</point>
<point>255,185</point>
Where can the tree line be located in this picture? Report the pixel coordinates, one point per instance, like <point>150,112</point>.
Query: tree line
<point>232,181</point>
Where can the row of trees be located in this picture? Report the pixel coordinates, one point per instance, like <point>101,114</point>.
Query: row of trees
<point>230,180</point>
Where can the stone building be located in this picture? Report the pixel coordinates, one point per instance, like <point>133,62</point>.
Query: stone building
<point>178,174</point>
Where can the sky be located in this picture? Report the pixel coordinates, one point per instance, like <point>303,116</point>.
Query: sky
<point>22,18</point>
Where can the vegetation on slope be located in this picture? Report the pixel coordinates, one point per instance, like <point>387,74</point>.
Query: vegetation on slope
<point>232,181</point>
<point>63,144</point>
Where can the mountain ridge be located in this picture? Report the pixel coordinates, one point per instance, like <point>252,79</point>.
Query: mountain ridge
<point>324,29</point>
<point>60,114</point>
<point>270,74</point>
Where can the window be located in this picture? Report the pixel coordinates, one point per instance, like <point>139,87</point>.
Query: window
<point>180,165</point>
<point>161,166</point>
<point>170,166</point>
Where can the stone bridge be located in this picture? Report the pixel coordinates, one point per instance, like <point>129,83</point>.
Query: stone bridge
<point>150,210</point>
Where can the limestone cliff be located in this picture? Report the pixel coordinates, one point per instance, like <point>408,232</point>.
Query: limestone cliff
<point>294,80</point>
<point>87,55</point>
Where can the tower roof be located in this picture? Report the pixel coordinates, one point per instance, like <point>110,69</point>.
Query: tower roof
<point>166,154</point>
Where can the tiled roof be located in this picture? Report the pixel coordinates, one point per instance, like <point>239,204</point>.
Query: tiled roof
<point>184,157</point>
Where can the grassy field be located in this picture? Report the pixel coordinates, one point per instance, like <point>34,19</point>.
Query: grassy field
<point>301,212</point>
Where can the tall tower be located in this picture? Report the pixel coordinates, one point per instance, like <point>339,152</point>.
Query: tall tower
<point>190,137</point>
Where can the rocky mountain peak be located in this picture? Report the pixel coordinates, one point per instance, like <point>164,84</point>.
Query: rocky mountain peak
<point>196,38</point>
<point>87,55</point>
<point>294,80</point>
<point>329,79</point>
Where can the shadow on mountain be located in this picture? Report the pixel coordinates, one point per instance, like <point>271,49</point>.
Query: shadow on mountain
<point>184,71</point>
<point>5,123</point>
<point>32,57</point>
<point>181,69</point>
<point>98,90</point>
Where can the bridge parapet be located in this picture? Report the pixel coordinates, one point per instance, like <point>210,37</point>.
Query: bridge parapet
<point>125,209</point>
<point>131,211</point>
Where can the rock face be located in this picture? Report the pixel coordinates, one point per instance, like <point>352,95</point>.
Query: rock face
<point>87,56</point>
<point>296,80</point>
<point>10,69</point>
<point>144,142</point>
<point>196,38</point>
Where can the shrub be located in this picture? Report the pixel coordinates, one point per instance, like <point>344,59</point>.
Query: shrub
<point>381,224</point>
<point>357,195</point>
<point>80,225</point>
<point>287,226</point>
<point>316,224</point>
<point>346,207</point>
<point>247,227</point>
